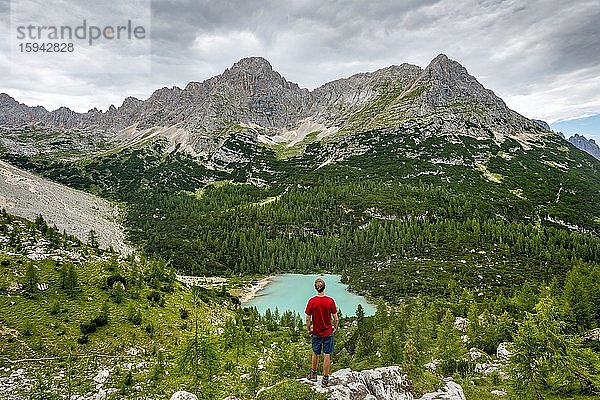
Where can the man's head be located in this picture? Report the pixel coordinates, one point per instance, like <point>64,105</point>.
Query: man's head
<point>319,285</point>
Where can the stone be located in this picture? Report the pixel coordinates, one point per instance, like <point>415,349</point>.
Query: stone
<point>477,354</point>
<point>183,395</point>
<point>486,368</point>
<point>461,323</point>
<point>102,376</point>
<point>373,384</point>
<point>498,392</point>
<point>592,336</point>
<point>451,391</point>
<point>432,366</point>
<point>502,353</point>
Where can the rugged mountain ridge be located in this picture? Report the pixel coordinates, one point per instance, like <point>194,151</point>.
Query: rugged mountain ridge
<point>251,95</point>
<point>588,145</point>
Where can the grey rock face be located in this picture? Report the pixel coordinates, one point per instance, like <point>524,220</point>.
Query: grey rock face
<point>374,384</point>
<point>585,144</point>
<point>543,124</point>
<point>441,99</point>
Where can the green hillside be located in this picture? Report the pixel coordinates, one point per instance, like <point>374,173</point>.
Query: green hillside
<point>468,212</point>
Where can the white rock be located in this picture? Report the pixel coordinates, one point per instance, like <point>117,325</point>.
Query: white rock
<point>486,368</point>
<point>502,352</point>
<point>374,384</point>
<point>592,336</point>
<point>476,354</point>
<point>452,391</point>
<point>183,395</point>
<point>102,376</point>
<point>498,392</point>
<point>432,366</point>
<point>461,323</point>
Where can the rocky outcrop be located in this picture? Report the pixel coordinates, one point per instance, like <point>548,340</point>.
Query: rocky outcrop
<point>379,383</point>
<point>588,145</point>
<point>591,336</point>
<point>503,353</point>
<point>543,124</point>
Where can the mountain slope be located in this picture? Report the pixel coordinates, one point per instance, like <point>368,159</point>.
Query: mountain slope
<point>398,153</point>
<point>27,195</point>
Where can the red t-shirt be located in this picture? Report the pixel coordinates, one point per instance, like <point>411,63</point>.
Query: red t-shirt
<point>320,308</point>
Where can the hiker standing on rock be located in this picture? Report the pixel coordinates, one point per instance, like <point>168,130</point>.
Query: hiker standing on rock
<point>319,310</point>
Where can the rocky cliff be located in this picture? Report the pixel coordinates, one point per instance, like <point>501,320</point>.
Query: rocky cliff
<point>251,97</point>
<point>588,145</point>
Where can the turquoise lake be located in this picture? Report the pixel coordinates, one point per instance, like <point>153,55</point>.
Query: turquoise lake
<point>292,291</point>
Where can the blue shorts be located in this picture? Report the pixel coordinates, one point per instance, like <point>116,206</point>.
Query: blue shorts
<point>325,343</point>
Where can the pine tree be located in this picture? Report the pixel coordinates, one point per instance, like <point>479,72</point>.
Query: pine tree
<point>449,346</point>
<point>92,239</point>
<point>544,355</point>
<point>31,279</point>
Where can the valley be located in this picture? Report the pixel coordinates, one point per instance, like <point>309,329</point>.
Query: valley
<point>472,227</point>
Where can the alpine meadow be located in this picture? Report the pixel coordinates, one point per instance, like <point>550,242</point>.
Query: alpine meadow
<point>473,229</point>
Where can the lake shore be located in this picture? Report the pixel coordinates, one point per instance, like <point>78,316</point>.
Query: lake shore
<point>290,292</point>
<point>251,292</point>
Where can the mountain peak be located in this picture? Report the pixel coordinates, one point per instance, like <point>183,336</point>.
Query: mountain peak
<point>252,64</point>
<point>440,59</point>
<point>442,65</point>
<point>5,98</point>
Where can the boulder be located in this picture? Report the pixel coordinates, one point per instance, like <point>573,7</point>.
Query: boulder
<point>502,353</point>
<point>183,395</point>
<point>461,324</point>
<point>477,354</point>
<point>592,336</point>
<point>451,391</point>
<point>102,376</point>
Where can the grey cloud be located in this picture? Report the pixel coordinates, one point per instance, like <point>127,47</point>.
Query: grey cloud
<point>522,50</point>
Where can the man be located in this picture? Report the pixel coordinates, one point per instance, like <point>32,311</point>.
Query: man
<point>319,310</point>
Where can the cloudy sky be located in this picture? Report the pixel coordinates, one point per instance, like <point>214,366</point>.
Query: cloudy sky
<point>542,57</point>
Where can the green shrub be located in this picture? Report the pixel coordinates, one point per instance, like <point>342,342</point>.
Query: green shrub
<point>290,389</point>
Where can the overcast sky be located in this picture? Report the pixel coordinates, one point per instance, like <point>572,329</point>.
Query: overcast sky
<point>542,57</point>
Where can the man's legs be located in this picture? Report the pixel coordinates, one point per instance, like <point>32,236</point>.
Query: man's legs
<point>315,361</point>
<point>326,364</point>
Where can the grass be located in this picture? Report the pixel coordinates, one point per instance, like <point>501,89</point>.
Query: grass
<point>490,176</point>
<point>480,388</point>
<point>47,325</point>
<point>283,151</point>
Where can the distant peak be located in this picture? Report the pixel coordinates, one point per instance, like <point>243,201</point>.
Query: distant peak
<point>445,69</point>
<point>5,97</point>
<point>443,62</point>
<point>440,58</point>
<point>253,64</point>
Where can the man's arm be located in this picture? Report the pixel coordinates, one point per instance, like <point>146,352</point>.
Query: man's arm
<point>336,322</point>
<point>308,324</point>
